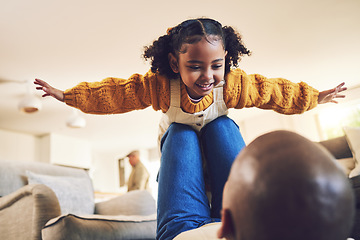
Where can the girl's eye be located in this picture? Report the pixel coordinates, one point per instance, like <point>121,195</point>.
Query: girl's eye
<point>217,66</point>
<point>194,67</point>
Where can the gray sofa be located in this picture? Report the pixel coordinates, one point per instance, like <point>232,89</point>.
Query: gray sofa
<point>45,201</point>
<point>340,149</point>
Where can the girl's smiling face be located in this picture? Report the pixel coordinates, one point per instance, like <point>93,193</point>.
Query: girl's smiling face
<point>201,65</point>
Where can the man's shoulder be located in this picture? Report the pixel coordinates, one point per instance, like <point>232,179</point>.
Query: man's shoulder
<point>140,167</point>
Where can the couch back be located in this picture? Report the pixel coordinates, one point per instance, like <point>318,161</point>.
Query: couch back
<point>338,147</point>
<point>13,173</point>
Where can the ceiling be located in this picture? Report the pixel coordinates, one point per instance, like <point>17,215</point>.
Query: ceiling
<point>69,41</point>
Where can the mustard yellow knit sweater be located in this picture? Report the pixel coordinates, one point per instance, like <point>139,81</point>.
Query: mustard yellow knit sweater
<point>115,95</point>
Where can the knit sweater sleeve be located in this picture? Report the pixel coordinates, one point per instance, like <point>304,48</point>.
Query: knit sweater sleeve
<point>117,95</point>
<point>281,95</point>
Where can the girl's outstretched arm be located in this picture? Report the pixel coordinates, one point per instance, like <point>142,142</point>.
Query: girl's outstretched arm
<point>114,95</point>
<point>49,90</point>
<point>331,94</point>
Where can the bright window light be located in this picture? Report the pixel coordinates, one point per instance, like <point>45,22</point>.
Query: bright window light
<point>332,120</point>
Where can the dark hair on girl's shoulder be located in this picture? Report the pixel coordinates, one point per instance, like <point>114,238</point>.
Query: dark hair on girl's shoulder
<point>158,53</point>
<point>185,32</point>
<point>234,47</point>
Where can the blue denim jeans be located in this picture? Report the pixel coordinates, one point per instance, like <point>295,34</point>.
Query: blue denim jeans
<point>182,201</point>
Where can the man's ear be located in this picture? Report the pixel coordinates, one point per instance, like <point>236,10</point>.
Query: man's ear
<point>227,229</point>
<point>173,63</point>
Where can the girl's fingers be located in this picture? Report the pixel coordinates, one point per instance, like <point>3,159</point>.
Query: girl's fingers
<point>40,82</point>
<point>342,89</point>
<point>341,84</point>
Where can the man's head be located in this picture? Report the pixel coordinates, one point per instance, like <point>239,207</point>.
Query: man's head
<point>283,186</point>
<point>134,157</point>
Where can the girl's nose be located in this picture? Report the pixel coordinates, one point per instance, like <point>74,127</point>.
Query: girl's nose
<point>207,74</point>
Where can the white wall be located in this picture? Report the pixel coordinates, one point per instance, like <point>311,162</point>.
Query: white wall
<point>18,146</point>
<point>51,148</point>
<point>105,172</point>
<point>64,150</point>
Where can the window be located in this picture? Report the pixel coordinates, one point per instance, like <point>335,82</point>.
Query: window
<point>333,119</point>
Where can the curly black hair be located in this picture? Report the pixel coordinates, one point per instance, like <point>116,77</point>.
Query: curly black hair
<point>192,31</point>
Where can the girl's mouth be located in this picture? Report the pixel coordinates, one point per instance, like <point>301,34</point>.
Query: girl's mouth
<point>205,87</point>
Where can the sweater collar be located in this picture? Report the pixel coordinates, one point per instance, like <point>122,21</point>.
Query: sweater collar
<point>188,106</point>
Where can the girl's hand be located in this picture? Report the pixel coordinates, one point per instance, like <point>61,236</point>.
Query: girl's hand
<point>49,90</point>
<point>331,94</point>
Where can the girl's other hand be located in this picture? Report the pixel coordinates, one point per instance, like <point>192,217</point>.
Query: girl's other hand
<point>331,94</point>
<point>49,90</point>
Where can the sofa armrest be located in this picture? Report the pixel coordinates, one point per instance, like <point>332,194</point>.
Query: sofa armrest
<point>25,212</point>
<point>138,202</point>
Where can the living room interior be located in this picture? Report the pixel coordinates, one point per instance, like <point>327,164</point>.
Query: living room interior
<point>68,42</point>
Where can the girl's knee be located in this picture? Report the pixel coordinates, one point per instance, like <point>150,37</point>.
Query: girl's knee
<point>178,127</point>
<point>220,124</point>
<point>180,133</point>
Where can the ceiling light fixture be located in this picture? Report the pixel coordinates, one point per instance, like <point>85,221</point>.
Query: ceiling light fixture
<point>75,120</point>
<point>30,103</point>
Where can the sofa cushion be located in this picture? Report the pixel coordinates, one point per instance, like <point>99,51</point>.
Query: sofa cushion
<point>205,232</point>
<point>353,137</point>
<point>346,164</point>
<point>338,147</point>
<point>75,194</point>
<point>137,202</point>
<point>100,227</point>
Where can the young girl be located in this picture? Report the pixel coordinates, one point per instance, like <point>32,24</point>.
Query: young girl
<point>193,81</point>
